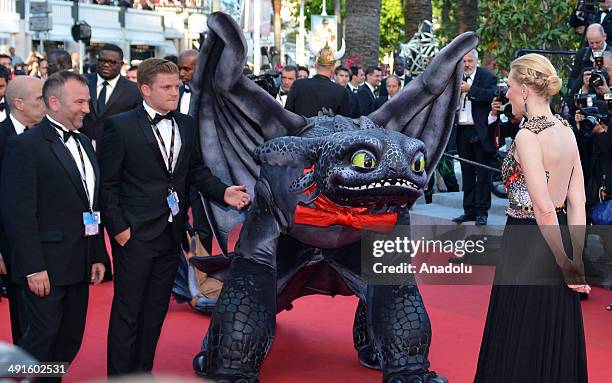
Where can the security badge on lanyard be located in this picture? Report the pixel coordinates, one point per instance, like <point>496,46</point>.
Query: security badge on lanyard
<point>91,218</point>
<point>172,198</point>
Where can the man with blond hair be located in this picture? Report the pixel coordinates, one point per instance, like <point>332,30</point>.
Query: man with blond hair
<point>149,157</point>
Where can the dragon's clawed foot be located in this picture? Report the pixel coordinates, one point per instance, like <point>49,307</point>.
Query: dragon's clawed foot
<point>428,377</point>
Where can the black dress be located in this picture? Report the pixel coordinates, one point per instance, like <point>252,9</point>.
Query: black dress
<point>534,331</point>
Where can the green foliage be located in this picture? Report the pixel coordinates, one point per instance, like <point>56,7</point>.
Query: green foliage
<point>391,26</point>
<point>507,26</point>
<point>444,20</point>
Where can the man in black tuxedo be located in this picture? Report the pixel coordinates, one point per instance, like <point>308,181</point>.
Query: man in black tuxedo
<point>24,95</point>
<point>392,85</point>
<point>366,96</point>
<point>473,140</point>
<point>149,157</point>
<point>49,194</point>
<point>399,71</point>
<point>357,78</point>
<point>288,76</point>
<point>110,93</point>
<point>308,97</point>
<point>343,78</point>
<point>186,63</point>
<point>584,60</point>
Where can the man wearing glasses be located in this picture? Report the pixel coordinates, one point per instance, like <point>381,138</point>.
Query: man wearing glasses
<point>110,94</point>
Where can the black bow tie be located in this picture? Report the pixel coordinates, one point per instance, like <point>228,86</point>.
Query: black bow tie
<point>2,106</point>
<point>69,134</point>
<point>187,89</point>
<point>282,93</point>
<point>158,117</point>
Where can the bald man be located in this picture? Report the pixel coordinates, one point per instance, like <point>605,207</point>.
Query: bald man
<point>596,39</point>
<point>27,108</point>
<point>186,63</point>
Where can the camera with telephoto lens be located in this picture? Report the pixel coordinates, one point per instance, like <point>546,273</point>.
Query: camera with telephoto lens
<point>594,111</point>
<point>502,90</point>
<point>599,76</point>
<point>267,82</point>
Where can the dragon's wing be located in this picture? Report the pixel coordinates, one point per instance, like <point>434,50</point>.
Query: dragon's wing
<point>234,116</point>
<point>426,107</point>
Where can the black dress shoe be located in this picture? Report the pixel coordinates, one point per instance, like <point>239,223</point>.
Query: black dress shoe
<point>464,218</point>
<point>481,220</point>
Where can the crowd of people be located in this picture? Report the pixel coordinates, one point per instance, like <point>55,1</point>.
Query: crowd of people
<point>148,5</point>
<point>102,173</point>
<point>115,147</point>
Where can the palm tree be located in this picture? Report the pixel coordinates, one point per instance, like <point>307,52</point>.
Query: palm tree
<point>277,5</point>
<point>415,11</point>
<point>467,15</point>
<point>362,29</point>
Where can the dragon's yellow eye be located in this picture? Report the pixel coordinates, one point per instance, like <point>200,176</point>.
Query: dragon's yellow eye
<point>363,159</point>
<point>419,164</point>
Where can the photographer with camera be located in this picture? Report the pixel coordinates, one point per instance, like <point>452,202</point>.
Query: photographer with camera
<point>586,57</point>
<point>502,123</point>
<point>588,12</point>
<point>592,120</point>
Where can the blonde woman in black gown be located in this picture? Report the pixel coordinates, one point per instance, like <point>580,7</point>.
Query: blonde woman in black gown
<point>534,331</point>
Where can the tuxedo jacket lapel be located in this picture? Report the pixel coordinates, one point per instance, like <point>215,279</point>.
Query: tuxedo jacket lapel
<point>116,93</point>
<point>63,155</point>
<point>182,128</point>
<point>147,130</point>
<point>91,154</point>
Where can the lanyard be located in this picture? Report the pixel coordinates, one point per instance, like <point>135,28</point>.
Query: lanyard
<point>168,154</point>
<point>82,157</point>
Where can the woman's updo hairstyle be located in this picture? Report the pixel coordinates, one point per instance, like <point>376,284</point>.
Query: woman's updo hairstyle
<point>536,72</point>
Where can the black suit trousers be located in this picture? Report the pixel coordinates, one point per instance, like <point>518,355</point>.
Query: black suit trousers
<point>144,275</point>
<point>53,326</point>
<point>200,222</point>
<point>476,180</point>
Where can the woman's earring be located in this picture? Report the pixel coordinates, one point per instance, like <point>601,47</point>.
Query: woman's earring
<point>525,100</point>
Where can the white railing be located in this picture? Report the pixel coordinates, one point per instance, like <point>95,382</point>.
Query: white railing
<point>7,6</point>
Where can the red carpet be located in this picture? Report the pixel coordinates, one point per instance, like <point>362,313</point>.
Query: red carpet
<point>314,344</point>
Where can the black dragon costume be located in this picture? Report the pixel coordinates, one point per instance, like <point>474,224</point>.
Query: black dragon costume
<point>315,184</point>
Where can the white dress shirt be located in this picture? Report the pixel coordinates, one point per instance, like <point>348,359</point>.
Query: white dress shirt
<point>3,112</point>
<point>19,127</point>
<point>465,106</point>
<point>352,88</point>
<point>281,98</point>
<point>165,130</point>
<point>112,84</point>
<point>185,101</point>
<point>87,174</point>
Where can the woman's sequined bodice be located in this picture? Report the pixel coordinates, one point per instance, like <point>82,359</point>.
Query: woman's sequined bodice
<point>512,173</point>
